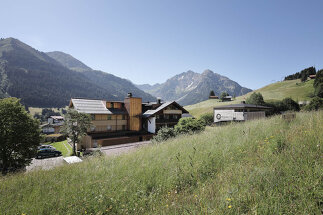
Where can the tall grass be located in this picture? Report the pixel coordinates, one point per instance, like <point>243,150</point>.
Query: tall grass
<point>260,167</point>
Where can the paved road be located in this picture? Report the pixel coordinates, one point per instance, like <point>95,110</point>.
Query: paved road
<point>115,150</point>
<point>45,164</point>
<point>122,148</point>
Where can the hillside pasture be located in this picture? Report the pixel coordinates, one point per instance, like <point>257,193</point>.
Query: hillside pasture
<point>267,166</point>
<point>295,89</point>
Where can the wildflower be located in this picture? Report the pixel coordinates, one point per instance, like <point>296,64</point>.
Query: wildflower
<point>195,196</point>
<point>230,206</point>
<point>228,199</point>
<point>23,214</point>
<point>166,206</point>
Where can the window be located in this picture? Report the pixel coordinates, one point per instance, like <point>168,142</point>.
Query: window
<point>123,117</point>
<point>109,117</point>
<point>112,105</point>
<point>166,116</point>
<point>123,127</point>
<point>109,127</point>
<point>92,116</point>
<point>175,116</point>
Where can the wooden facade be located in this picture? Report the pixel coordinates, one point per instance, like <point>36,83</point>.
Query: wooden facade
<point>116,122</point>
<point>134,108</point>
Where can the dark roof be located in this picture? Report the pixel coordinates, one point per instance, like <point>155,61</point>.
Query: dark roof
<point>118,111</point>
<point>233,106</point>
<point>149,113</point>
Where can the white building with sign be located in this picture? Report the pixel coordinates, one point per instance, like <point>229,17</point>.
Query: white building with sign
<point>239,112</point>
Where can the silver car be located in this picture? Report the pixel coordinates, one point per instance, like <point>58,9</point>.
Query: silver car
<point>46,147</point>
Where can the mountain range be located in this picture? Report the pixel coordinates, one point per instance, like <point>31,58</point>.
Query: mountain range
<point>191,87</point>
<point>51,79</point>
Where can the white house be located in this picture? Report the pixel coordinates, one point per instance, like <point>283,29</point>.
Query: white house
<point>161,115</point>
<point>239,112</point>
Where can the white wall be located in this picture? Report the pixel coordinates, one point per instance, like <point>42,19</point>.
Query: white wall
<point>152,125</point>
<point>227,115</point>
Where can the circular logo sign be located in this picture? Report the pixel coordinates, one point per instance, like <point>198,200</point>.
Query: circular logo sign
<point>218,116</point>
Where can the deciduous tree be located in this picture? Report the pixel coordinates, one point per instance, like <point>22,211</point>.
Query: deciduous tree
<point>255,99</point>
<point>19,135</point>
<point>75,126</point>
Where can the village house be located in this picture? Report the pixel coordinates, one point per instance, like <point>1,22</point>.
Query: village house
<point>239,112</point>
<point>162,115</point>
<point>213,97</point>
<point>312,76</point>
<point>131,120</point>
<point>227,98</point>
<point>53,125</point>
<point>58,120</point>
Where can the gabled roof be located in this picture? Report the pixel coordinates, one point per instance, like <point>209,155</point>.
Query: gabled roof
<point>233,106</point>
<point>149,113</point>
<point>90,106</point>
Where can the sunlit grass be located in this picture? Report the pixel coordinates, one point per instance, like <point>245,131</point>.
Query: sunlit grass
<point>276,91</point>
<point>63,147</point>
<point>266,166</point>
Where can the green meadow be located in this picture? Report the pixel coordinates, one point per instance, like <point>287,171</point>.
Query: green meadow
<point>267,166</point>
<point>63,147</point>
<point>276,91</point>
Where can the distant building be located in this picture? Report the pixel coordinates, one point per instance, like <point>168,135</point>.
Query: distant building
<point>227,98</point>
<point>239,112</point>
<point>53,126</point>
<point>312,76</point>
<point>213,97</point>
<point>55,120</point>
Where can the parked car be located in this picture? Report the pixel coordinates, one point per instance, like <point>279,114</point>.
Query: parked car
<point>46,147</point>
<point>46,153</point>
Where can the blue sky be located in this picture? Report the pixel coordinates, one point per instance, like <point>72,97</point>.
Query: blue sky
<point>148,41</point>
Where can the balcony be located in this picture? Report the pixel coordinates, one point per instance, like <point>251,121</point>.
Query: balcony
<point>167,120</point>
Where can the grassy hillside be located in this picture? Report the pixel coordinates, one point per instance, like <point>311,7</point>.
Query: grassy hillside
<point>266,166</point>
<point>276,91</point>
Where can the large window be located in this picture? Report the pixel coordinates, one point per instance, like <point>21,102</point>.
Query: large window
<point>112,105</point>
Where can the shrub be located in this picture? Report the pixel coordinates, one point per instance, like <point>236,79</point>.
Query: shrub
<point>315,104</point>
<point>189,125</point>
<point>318,84</point>
<point>290,104</point>
<point>164,133</point>
<point>277,107</point>
<point>208,118</point>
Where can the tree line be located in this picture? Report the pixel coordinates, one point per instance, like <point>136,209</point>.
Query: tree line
<point>303,75</point>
